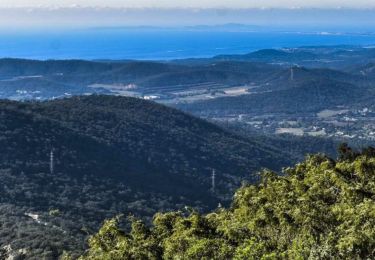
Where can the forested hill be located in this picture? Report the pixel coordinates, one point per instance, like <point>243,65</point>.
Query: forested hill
<point>111,155</point>
<point>127,137</point>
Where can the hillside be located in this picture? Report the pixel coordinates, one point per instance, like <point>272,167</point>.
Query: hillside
<point>190,80</point>
<point>303,96</point>
<point>111,155</point>
<point>318,209</point>
<point>272,55</point>
<point>33,79</point>
<point>296,76</point>
<point>367,70</point>
<point>334,57</point>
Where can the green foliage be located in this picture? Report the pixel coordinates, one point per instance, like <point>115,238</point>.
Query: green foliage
<point>129,139</point>
<point>112,155</point>
<point>318,209</point>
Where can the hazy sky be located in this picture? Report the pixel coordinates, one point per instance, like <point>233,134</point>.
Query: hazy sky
<point>314,14</point>
<point>195,3</point>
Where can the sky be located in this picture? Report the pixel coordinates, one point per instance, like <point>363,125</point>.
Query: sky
<point>314,14</point>
<point>195,3</point>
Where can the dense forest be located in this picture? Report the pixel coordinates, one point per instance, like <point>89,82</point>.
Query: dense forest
<point>318,209</point>
<point>112,155</point>
<point>117,155</point>
<point>117,136</point>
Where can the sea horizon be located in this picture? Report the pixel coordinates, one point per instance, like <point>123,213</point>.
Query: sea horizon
<point>161,44</point>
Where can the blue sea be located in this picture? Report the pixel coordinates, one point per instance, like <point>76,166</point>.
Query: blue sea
<point>119,44</point>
